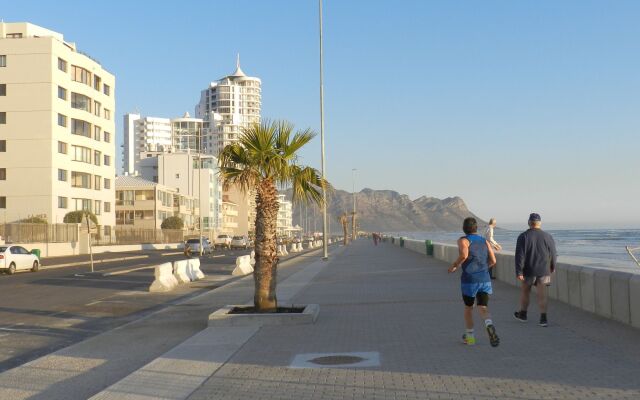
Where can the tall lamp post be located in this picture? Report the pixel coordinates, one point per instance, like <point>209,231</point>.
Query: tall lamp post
<point>325,249</point>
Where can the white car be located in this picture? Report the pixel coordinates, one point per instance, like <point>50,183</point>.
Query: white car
<point>223,241</point>
<point>16,258</point>
<point>194,245</point>
<point>239,242</point>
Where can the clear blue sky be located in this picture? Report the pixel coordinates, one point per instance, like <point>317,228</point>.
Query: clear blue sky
<point>516,106</point>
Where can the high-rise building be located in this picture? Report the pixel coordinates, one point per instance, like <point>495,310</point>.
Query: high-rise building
<point>143,134</point>
<point>57,148</point>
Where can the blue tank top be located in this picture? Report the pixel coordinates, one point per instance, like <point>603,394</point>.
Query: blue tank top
<point>475,268</point>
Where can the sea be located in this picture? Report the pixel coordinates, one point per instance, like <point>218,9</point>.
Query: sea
<point>599,248</point>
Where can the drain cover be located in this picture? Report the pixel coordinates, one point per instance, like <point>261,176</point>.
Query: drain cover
<point>337,360</point>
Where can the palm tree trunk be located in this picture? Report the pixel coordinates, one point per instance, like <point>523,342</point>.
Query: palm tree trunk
<point>353,226</point>
<point>265,272</point>
<point>345,230</point>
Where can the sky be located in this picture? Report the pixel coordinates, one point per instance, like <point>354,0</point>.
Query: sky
<point>515,106</point>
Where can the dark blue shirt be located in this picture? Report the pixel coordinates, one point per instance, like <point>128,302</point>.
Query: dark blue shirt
<point>475,268</point>
<point>535,253</point>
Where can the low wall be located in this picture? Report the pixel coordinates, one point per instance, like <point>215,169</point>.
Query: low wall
<point>136,247</point>
<point>610,294</point>
<point>72,249</point>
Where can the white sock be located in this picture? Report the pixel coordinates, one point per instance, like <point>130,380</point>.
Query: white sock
<point>470,332</point>
<point>488,322</point>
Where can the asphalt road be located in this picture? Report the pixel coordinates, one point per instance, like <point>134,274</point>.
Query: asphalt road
<point>57,306</point>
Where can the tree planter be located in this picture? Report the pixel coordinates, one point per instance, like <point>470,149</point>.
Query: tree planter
<point>302,314</point>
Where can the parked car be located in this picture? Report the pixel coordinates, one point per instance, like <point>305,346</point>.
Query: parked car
<point>194,245</point>
<point>223,241</point>
<point>16,258</point>
<point>239,242</point>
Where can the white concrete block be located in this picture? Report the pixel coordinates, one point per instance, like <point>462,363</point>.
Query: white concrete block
<point>634,300</point>
<point>603,292</point>
<point>573,285</point>
<point>243,266</point>
<point>620,306</point>
<point>279,250</point>
<point>180,271</point>
<point>253,258</point>
<point>164,281</point>
<point>193,270</point>
<point>588,289</point>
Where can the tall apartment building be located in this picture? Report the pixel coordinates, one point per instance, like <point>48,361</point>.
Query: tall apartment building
<point>57,148</point>
<point>143,134</point>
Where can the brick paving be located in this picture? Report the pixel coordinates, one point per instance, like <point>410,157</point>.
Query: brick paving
<point>406,307</point>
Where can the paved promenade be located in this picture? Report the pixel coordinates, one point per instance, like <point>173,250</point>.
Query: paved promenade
<point>404,312</point>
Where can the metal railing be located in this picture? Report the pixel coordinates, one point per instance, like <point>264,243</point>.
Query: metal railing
<point>125,235</point>
<point>21,232</point>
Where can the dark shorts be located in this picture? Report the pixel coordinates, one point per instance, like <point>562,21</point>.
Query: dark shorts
<point>481,299</point>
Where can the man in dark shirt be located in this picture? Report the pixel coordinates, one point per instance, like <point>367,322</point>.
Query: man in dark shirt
<point>535,262</point>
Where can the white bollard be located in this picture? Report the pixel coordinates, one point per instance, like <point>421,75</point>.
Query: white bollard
<point>253,258</point>
<point>164,280</point>
<point>193,270</point>
<point>294,248</point>
<point>180,271</point>
<point>279,251</point>
<point>284,250</point>
<point>243,266</point>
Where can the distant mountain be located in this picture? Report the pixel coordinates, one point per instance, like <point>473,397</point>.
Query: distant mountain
<point>387,211</point>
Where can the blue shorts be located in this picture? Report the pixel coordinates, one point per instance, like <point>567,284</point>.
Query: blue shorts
<point>472,289</point>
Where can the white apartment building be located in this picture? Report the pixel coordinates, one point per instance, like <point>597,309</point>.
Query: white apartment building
<point>284,224</point>
<point>192,175</point>
<point>57,148</point>
<point>143,134</point>
<point>186,134</point>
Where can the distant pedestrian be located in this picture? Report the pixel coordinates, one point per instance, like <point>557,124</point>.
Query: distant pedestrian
<point>535,262</point>
<point>476,257</point>
<point>376,238</point>
<point>488,235</point>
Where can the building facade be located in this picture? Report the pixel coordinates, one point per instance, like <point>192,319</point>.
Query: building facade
<point>57,143</point>
<point>144,134</point>
<point>284,224</point>
<point>144,204</point>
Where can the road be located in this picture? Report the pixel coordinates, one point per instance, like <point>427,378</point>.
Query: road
<point>57,306</point>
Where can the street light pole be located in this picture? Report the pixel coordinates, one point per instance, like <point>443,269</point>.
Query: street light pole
<point>325,244</point>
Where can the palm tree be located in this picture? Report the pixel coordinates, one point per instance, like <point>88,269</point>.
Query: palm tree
<point>263,158</point>
<point>344,221</point>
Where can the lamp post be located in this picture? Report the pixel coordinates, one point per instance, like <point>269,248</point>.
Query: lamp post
<point>325,249</point>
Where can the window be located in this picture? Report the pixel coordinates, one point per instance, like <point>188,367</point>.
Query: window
<point>3,174</point>
<point>96,157</point>
<point>97,180</point>
<point>97,108</point>
<point>83,204</point>
<point>3,146</point>
<point>62,120</point>
<point>62,64</point>
<point>80,180</point>
<point>3,89</point>
<point>107,90</point>
<point>3,60</point>
<point>80,127</point>
<point>107,137</point>
<point>82,154</point>
<point>62,202</point>
<point>107,206</point>
<point>3,117</point>
<point>62,148</point>
<point>107,160</point>
<point>97,82</point>
<point>3,200</point>
<point>80,101</point>
<point>96,208</point>
<point>107,184</point>
<point>14,35</point>
<point>97,132</point>
<point>62,175</point>
<point>81,75</point>
<point>145,194</point>
<point>107,113</point>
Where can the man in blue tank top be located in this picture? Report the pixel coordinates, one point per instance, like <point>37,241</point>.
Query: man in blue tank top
<point>476,257</point>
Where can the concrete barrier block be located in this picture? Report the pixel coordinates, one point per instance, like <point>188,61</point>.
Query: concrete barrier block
<point>620,306</point>
<point>253,258</point>
<point>634,300</point>
<point>279,250</point>
<point>588,289</point>
<point>438,251</point>
<point>243,266</point>
<point>164,281</point>
<point>180,271</point>
<point>603,292</point>
<point>561,279</point>
<point>573,285</point>
<point>193,270</point>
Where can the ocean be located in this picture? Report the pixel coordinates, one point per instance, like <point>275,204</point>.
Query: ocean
<point>601,248</point>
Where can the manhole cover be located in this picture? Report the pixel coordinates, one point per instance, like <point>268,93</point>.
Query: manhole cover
<point>337,360</point>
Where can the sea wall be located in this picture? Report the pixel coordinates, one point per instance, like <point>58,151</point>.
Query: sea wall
<point>607,293</point>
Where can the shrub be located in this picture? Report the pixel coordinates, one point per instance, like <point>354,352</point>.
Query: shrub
<point>76,217</point>
<point>34,220</point>
<point>172,223</point>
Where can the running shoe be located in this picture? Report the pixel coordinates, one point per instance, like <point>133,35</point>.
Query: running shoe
<point>493,336</point>
<point>520,316</point>
<point>543,321</point>
<point>469,340</point>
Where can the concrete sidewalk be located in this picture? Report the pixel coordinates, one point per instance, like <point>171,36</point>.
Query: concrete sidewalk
<point>402,313</point>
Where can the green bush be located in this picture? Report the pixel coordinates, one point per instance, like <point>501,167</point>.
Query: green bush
<point>172,223</point>
<point>34,220</point>
<point>76,217</point>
